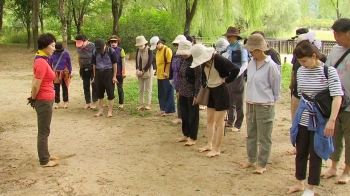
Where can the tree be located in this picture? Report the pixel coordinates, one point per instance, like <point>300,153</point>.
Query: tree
<point>2,3</point>
<point>22,12</point>
<point>333,9</point>
<point>190,11</point>
<point>62,7</point>
<point>117,9</point>
<point>35,22</point>
<point>79,9</point>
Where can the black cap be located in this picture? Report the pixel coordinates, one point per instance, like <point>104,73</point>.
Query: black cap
<point>99,45</point>
<point>59,47</point>
<point>300,31</point>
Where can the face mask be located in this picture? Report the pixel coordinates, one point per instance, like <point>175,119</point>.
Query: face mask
<point>141,47</point>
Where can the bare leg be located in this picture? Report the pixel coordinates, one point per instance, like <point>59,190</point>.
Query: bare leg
<point>345,177</point>
<point>331,172</point>
<point>110,108</point>
<point>100,108</point>
<point>298,187</point>
<point>210,130</point>
<point>220,125</point>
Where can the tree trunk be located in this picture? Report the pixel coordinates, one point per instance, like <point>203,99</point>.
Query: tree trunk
<point>41,18</point>
<point>337,10</point>
<point>35,21</point>
<point>69,30</point>
<point>29,36</point>
<point>2,2</point>
<point>190,11</point>
<point>62,6</point>
<point>117,9</point>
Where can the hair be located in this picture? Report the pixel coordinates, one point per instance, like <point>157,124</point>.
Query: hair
<point>45,39</point>
<point>306,49</point>
<point>161,40</point>
<point>258,32</point>
<point>341,25</point>
<point>80,37</point>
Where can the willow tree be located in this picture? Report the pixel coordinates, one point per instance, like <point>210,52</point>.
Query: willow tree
<point>334,9</point>
<point>35,22</point>
<point>2,3</point>
<point>79,9</point>
<point>63,12</point>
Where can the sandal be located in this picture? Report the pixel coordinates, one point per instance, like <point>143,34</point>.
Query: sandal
<point>147,108</point>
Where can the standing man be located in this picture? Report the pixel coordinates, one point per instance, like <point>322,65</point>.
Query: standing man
<point>341,30</point>
<point>239,56</point>
<point>114,42</point>
<point>85,51</point>
<point>105,75</point>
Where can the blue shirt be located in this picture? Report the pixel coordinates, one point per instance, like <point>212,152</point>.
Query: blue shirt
<point>234,47</point>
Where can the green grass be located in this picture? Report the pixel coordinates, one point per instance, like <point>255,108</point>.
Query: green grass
<point>286,72</point>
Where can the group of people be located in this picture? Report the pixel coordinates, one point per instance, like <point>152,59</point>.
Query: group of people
<point>220,71</point>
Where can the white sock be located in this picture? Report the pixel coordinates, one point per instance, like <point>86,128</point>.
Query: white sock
<point>308,192</point>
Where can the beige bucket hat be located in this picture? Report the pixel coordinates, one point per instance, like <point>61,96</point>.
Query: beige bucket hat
<point>140,41</point>
<point>184,48</point>
<point>256,42</point>
<point>201,54</point>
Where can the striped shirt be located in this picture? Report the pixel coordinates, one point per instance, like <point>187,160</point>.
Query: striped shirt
<point>313,81</point>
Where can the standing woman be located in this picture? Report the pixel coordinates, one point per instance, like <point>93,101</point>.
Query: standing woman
<point>144,71</point>
<point>176,61</point>
<point>114,42</point>
<point>263,90</point>
<point>43,95</point>
<point>311,132</point>
<point>219,71</point>
<point>165,89</point>
<point>61,64</point>
<point>190,81</point>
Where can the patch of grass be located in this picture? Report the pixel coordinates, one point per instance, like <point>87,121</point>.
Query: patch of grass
<point>286,73</point>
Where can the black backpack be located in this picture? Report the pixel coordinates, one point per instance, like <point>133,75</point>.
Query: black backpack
<point>109,50</point>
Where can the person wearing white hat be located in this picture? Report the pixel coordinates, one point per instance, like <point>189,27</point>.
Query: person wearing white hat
<point>221,45</point>
<point>165,89</point>
<point>263,90</point>
<point>144,72</point>
<point>174,73</point>
<point>219,71</point>
<point>190,81</point>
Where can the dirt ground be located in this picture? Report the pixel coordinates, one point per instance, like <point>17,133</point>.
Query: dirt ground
<point>127,154</point>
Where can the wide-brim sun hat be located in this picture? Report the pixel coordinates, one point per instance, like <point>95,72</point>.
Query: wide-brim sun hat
<point>141,41</point>
<point>153,42</point>
<point>114,38</point>
<point>184,48</point>
<point>221,44</point>
<point>201,54</point>
<point>178,39</point>
<point>256,42</point>
<point>233,31</point>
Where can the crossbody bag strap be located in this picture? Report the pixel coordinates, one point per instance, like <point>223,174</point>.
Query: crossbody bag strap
<point>59,59</point>
<point>342,58</point>
<point>209,70</point>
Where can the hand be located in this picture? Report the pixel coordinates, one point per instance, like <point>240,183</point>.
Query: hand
<point>115,81</point>
<point>223,80</point>
<point>194,101</point>
<point>155,73</point>
<point>165,75</point>
<point>124,76</point>
<point>329,129</point>
<point>70,76</point>
<point>177,95</point>
<point>31,101</point>
<point>92,81</point>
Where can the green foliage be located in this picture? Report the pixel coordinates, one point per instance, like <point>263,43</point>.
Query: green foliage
<point>316,23</point>
<point>286,73</point>
<point>10,35</point>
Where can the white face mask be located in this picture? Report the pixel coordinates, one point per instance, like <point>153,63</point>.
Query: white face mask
<point>142,47</point>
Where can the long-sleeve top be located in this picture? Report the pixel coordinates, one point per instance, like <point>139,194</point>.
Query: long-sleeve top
<point>176,62</point>
<point>64,63</point>
<point>162,66</point>
<point>120,55</point>
<point>221,68</point>
<point>142,66</point>
<point>264,83</point>
<point>184,87</point>
<point>323,145</point>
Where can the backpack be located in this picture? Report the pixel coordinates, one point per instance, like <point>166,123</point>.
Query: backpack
<point>109,50</point>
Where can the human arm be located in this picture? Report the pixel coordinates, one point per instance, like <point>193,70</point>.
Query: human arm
<point>149,62</point>
<point>244,57</point>
<point>69,63</point>
<point>329,129</point>
<point>229,71</point>
<point>275,81</point>
<point>122,55</point>
<point>114,67</point>
<point>168,54</point>
<point>198,80</point>
<point>35,87</point>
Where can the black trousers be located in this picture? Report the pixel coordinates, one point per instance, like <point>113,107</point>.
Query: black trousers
<point>235,112</point>
<point>120,89</point>
<point>64,91</point>
<point>305,147</point>
<point>104,83</point>
<point>189,116</point>
<point>87,76</point>
<point>44,115</point>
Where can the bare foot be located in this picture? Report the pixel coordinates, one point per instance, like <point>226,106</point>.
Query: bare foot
<point>121,106</point>
<point>291,152</point>
<point>166,114</point>
<point>177,121</point>
<point>100,113</point>
<point>139,108</point>
<point>190,142</point>
<point>57,106</point>
<point>259,170</point>
<point>93,105</point>
<point>53,158</point>
<point>213,153</point>
<point>65,105</point>
<point>148,107</point>
<point>329,173</point>
<point>343,179</point>
<point>182,139</point>
<point>87,106</point>
<point>205,148</point>
<point>50,164</point>
<point>247,165</point>
<point>296,188</point>
<point>234,129</point>
<point>109,114</point>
